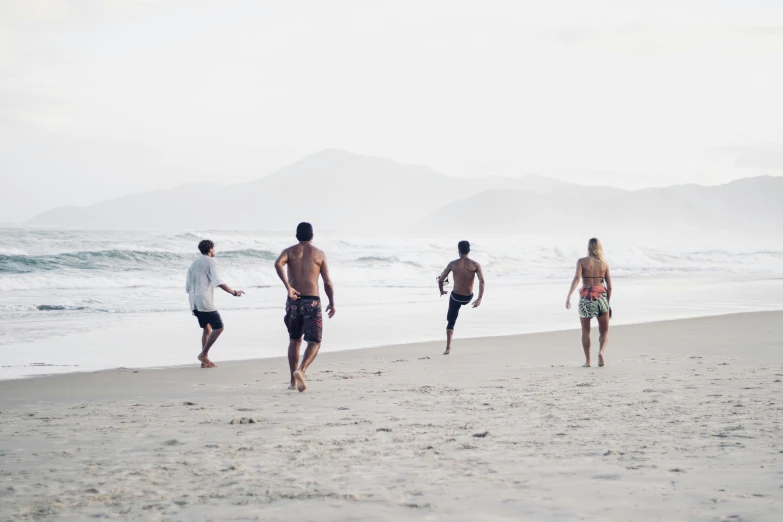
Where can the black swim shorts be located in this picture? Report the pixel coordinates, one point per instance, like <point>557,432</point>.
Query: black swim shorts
<point>303,316</point>
<point>209,318</point>
<point>456,301</point>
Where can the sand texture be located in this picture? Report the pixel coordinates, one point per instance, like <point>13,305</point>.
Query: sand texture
<point>682,424</point>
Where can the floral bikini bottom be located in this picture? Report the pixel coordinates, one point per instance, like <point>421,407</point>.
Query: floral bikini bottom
<point>593,302</point>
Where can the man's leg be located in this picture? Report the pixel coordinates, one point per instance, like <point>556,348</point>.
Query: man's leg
<point>294,346</point>
<point>309,356</point>
<point>586,339</point>
<point>449,337</point>
<point>204,356</point>
<point>205,335</point>
<point>310,352</point>
<point>294,323</point>
<point>603,336</point>
<point>312,326</point>
<point>451,318</point>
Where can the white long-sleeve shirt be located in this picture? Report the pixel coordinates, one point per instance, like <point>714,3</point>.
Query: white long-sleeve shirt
<point>203,277</point>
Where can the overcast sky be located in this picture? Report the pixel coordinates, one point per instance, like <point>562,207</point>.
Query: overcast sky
<point>102,98</point>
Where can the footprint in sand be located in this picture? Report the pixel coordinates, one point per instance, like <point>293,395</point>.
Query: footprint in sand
<point>243,420</point>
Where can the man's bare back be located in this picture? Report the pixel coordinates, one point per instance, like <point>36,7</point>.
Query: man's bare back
<point>304,263</point>
<point>464,270</point>
<point>303,266</point>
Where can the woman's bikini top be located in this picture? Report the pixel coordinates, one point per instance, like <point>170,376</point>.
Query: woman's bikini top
<point>595,277</point>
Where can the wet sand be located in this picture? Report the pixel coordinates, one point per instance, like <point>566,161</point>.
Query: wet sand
<point>684,423</point>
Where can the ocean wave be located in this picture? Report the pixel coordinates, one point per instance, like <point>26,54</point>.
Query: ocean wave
<point>173,278</point>
<point>251,253</point>
<point>62,308</point>
<point>385,261</point>
<point>116,259</point>
<point>190,236</point>
<point>140,308</point>
<point>6,308</point>
<point>81,260</point>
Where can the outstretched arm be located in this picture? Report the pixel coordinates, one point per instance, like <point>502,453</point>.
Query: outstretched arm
<point>235,293</point>
<point>574,283</point>
<point>442,278</point>
<point>279,264</point>
<point>480,275</point>
<point>328,287</point>
<point>213,273</point>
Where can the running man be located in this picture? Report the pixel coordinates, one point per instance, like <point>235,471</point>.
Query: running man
<point>303,307</point>
<point>465,270</point>
<point>203,277</point>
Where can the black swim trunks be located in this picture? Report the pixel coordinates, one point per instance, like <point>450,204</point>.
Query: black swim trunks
<point>303,316</point>
<point>209,318</point>
<point>456,301</point>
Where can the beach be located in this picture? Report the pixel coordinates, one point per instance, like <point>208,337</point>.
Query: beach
<point>96,300</point>
<point>682,424</point>
<point>205,201</point>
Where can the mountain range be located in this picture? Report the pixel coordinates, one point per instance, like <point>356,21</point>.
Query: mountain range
<point>340,191</point>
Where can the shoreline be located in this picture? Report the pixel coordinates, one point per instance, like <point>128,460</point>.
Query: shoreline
<point>499,337</point>
<point>391,316</point>
<point>571,334</point>
<point>684,423</point>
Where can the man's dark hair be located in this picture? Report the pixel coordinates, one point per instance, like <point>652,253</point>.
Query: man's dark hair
<point>205,246</point>
<point>464,247</point>
<point>304,232</point>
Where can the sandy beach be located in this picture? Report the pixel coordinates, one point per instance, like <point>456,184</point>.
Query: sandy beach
<point>684,423</point>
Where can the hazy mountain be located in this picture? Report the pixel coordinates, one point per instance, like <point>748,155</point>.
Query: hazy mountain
<point>749,206</point>
<point>334,189</point>
<point>337,190</point>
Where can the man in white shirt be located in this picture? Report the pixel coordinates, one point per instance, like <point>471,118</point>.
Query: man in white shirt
<point>203,277</point>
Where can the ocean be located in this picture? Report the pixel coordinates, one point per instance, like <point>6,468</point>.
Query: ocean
<point>58,288</point>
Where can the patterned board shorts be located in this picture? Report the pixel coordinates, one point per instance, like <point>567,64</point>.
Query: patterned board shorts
<point>593,302</point>
<point>303,316</point>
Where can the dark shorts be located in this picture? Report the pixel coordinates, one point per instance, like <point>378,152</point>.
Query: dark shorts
<point>209,318</point>
<point>456,301</point>
<point>303,316</point>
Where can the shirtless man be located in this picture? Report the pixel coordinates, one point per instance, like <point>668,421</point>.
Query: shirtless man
<point>465,270</point>
<point>303,306</point>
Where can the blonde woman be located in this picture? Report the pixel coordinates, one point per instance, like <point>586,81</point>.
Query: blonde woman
<point>593,297</point>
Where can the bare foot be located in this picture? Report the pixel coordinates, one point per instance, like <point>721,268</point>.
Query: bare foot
<point>600,359</point>
<point>586,365</point>
<point>447,352</point>
<point>205,362</point>
<point>299,380</point>
<point>291,386</point>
